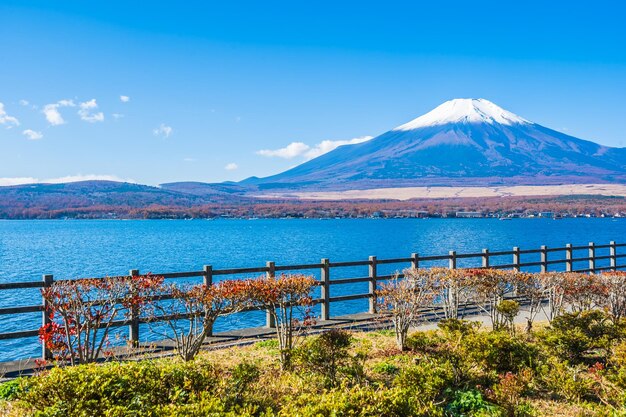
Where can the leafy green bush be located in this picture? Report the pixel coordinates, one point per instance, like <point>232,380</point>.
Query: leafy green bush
<point>109,389</point>
<point>464,327</point>
<point>500,351</point>
<point>327,355</point>
<point>471,403</point>
<point>364,401</point>
<point>424,342</point>
<point>11,389</point>
<point>573,336</point>
<point>429,378</point>
<point>509,309</point>
<point>386,368</point>
<point>570,382</point>
<point>509,390</point>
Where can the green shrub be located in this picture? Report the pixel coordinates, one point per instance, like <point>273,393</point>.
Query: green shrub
<point>509,309</point>
<point>573,336</point>
<point>327,355</point>
<point>566,381</point>
<point>509,390</point>
<point>470,403</point>
<point>386,368</point>
<point>500,351</point>
<point>106,390</point>
<point>424,342</point>
<point>363,401</point>
<point>463,327</point>
<point>11,389</point>
<point>429,378</point>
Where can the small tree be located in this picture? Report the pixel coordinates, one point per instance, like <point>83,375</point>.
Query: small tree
<point>533,289</point>
<point>553,285</point>
<point>288,300</point>
<point>452,288</point>
<point>509,309</point>
<point>190,311</point>
<point>83,310</point>
<point>613,286</point>
<point>405,299</point>
<point>582,292</point>
<point>489,286</point>
<point>327,355</point>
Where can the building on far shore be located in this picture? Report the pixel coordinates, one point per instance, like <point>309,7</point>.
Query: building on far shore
<point>546,214</point>
<point>469,214</point>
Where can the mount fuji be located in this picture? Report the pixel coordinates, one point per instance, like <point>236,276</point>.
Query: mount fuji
<point>462,142</point>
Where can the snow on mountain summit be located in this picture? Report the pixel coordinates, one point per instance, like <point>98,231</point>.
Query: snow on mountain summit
<point>464,110</point>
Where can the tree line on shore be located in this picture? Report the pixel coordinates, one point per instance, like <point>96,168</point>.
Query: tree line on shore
<point>500,206</point>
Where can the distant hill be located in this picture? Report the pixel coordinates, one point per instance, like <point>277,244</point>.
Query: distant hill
<point>97,198</point>
<point>462,142</point>
<point>224,189</point>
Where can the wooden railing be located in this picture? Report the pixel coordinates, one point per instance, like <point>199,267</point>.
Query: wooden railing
<point>547,261</point>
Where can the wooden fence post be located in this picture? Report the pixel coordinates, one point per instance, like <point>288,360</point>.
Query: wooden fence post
<point>613,255</point>
<point>270,321</point>
<point>485,258</point>
<point>569,255</point>
<point>592,257</point>
<point>544,258</point>
<point>452,259</point>
<point>325,278</point>
<point>45,316</point>
<point>133,328</point>
<point>516,259</point>
<point>207,277</point>
<point>207,280</point>
<point>415,261</point>
<point>372,284</point>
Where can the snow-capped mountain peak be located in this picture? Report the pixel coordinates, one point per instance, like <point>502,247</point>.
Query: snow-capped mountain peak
<point>464,110</point>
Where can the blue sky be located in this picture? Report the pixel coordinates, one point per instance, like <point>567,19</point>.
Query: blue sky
<point>210,84</point>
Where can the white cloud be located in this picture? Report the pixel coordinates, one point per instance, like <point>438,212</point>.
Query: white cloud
<point>326,146</point>
<point>231,167</point>
<point>288,152</point>
<point>86,112</point>
<point>300,149</point>
<point>163,130</point>
<point>24,102</point>
<point>7,120</point>
<point>60,180</point>
<point>189,160</point>
<point>5,182</point>
<point>89,177</point>
<point>124,99</point>
<point>117,116</point>
<point>32,134</point>
<point>52,113</point>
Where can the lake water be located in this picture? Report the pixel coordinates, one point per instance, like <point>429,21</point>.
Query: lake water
<point>71,249</point>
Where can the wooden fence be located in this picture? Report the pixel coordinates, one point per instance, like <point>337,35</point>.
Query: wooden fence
<point>548,260</point>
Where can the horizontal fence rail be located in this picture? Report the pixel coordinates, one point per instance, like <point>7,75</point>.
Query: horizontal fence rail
<point>548,260</point>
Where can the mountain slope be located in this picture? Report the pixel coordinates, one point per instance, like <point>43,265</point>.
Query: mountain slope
<point>461,142</point>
